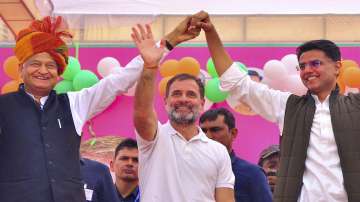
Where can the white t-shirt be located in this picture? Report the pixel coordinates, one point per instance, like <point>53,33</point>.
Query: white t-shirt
<point>174,169</point>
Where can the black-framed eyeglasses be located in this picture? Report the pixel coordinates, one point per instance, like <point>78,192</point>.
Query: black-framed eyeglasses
<point>313,64</point>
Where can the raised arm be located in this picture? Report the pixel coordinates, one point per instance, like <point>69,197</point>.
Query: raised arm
<point>268,103</point>
<point>145,119</point>
<point>221,58</point>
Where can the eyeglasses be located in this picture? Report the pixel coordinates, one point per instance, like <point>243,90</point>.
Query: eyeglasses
<point>313,64</point>
<point>212,129</point>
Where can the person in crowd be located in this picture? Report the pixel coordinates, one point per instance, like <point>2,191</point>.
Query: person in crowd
<point>250,181</point>
<point>125,166</point>
<point>270,162</point>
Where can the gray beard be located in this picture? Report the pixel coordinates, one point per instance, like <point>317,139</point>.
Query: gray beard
<point>182,119</point>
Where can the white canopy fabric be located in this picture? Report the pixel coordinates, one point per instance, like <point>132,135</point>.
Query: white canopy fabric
<point>217,7</point>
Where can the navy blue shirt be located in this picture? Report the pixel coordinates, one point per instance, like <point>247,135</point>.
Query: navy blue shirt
<point>97,177</point>
<point>250,181</point>
<point>133,197</point>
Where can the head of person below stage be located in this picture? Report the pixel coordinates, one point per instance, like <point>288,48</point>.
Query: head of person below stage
<point>43,54</point>
<point>319,65</point>
<point>184,99</point>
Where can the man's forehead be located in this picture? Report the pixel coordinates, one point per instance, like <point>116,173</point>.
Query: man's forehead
<point>216,122</point>
<point>43,57</point>
<point>184,85</point>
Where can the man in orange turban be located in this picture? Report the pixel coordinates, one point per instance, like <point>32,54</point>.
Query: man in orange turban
<point>40,130</point>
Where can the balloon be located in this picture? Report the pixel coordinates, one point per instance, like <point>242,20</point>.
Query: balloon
<point>274,69</point>
<point>351,77</point>
<point>349,63</point>
<point>106,64</point>
<point>294,85</point>
<point>204,76</point>
<point>64,86</point>
<point>169,68</point>
<point>162,85</point>
<point>11,67</point>
<point>116,70</point>
<point>84,79</point>
<point>210,66</point>
<point>131,90</point>
<point>212,91</point>
<point>10,86</point>
<point>290,62</point>
<point>71,69</point>
<point>189,65</point>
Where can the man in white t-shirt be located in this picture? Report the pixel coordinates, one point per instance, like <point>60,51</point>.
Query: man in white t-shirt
<point>177,162</point>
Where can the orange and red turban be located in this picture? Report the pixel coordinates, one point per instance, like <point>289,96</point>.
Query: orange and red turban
<point>44,35</point>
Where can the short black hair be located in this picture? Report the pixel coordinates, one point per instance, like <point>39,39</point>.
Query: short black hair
<point>212,114</point>
<point>128,143</point>
<point>330,49</point>
<point>182,77</point>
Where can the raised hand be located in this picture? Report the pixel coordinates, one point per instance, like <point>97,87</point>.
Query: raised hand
<point>144,41</point>
<point>201,20</point>
<point>182,32</point>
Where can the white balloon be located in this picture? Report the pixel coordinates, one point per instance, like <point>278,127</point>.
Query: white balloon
<point>291,62</point>
<point>294,85</point>
<point>274,69</point>
<point>106,64</point>
<point>115,70</point>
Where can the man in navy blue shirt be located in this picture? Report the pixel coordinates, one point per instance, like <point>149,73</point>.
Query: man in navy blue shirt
<point>250,180</point>
<point>125,166</point>
<point>98,183</point>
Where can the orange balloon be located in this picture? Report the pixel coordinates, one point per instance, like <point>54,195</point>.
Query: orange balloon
<point>11,67</point>
<point>189,65</point>
<point>162,85</point>
<point>10,86</point>
<point>169,68</point>
<point>349,63</point>
<point>351,77</point>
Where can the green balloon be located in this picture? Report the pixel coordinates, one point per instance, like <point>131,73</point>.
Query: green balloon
<point>84,79</point>
<point>212,91</point>
<point>211,68</point>
<point>63,86</point>
<point>71,69</point>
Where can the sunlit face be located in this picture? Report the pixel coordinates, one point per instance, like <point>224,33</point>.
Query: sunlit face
<point>125,165</point>
<point>184,103</point>
<point>318,72</point>
<point>39,73</point>
<point>219,131</point>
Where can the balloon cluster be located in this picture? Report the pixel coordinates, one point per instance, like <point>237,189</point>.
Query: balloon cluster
<point>11,69</point>
<point>212,90</point>
<point>188,65</point>
<point>283,75</point>
<point>172,67</point>
<point>349,76</point>
<point>75,79</point>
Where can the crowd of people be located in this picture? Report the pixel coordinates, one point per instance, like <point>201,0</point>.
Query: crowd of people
<point>190,157</point>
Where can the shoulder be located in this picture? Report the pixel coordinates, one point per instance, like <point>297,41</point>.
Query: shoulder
<point>244,167</point>
<point>94,165</point>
